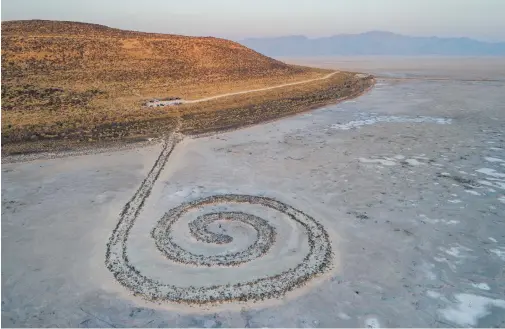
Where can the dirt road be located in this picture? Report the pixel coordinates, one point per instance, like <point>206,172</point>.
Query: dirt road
<point>182,101</point>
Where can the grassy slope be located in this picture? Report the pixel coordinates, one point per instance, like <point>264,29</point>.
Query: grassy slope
<point>78,81</point>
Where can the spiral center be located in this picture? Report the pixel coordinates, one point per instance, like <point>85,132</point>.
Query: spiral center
<point>199,228</point>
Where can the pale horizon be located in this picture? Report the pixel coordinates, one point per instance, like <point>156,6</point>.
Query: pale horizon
<point>482,20</point>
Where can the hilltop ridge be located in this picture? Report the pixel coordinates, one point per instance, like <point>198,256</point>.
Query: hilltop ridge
<point>99,53</point>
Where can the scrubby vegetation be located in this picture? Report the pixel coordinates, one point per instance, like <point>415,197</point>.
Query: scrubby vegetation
<point>85,82</point>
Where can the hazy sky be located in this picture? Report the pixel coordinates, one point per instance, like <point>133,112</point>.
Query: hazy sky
<point>481,19</point>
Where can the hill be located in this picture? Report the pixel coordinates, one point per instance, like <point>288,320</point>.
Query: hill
<point>77,56</point>
<point>88,82</point>
<point>95,53</point>
<point>373,43</point>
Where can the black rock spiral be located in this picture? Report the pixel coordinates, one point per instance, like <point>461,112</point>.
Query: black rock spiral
<point>316,261</point>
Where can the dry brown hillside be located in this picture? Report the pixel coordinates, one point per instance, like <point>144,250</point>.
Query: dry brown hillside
<point>69,54</point>
<point>87,82</point>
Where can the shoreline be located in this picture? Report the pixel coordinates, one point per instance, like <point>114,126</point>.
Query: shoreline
<point>315,107</point>
<point>60,148</point>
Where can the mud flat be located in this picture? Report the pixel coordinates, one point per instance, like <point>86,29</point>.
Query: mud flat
<point>385,210</point>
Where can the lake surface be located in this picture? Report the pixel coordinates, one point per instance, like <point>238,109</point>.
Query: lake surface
<point>458,68</point>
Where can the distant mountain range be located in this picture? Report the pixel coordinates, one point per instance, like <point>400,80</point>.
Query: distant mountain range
<point>372,43</point>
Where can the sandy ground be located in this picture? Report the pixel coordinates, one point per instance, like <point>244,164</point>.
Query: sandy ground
<point>408,181</point>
